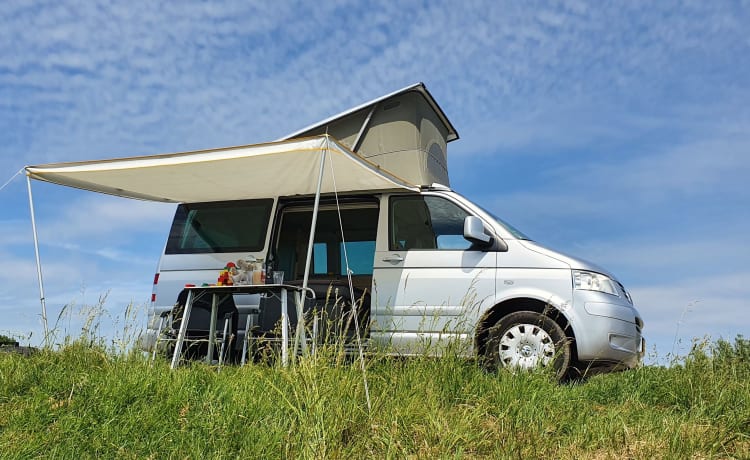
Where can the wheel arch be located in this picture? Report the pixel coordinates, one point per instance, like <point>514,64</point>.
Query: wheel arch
<point>490,317</point>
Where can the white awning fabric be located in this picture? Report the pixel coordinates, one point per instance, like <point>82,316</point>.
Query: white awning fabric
<point>252,171</point>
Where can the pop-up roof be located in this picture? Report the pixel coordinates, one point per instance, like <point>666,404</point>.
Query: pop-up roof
<point>405,132</point>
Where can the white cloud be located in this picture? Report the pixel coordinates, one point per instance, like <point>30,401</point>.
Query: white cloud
<point>225,64</point>
<point>693,175</point>
<point>15,232</point>
<point>19,272</point>
<point>693,308</point>
<point>666,258</point>
<point>103,218</point>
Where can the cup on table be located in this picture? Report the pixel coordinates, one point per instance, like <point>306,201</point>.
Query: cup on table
<point>278,277</point>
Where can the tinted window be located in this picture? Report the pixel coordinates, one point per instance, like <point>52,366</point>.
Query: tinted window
<point>426,222</point>
<point>320,259</point>
<point>360,255</point>
<point>236,226</point>
<point>511,229</point>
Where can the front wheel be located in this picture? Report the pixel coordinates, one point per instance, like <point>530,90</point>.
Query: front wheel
<point>526,340</point>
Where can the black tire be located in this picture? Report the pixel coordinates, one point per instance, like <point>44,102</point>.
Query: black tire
<point>527,340</point>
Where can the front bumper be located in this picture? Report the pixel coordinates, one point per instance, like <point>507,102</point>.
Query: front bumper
<point>609,331</point>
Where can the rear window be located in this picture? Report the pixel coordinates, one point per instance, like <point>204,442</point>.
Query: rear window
<point>234,226</point>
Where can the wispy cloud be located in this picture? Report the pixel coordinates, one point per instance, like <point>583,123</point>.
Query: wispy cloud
<point>693,308</point>
<point>672,178</point>
<point>100,218</point>
<point>247,74</point>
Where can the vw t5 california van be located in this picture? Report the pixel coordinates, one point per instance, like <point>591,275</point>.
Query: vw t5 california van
<point>434,270</point>
<point>440,272</point>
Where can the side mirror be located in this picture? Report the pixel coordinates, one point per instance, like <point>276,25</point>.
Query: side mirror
<point>474,231</point>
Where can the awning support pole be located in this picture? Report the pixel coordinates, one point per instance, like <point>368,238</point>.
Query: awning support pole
<point>300,334</point>
<point>38,262</point>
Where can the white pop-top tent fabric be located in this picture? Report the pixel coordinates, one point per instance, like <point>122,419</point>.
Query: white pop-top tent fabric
<point>253,171</point>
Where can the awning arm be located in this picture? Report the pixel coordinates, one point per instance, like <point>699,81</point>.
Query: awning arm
<point>38,262</point>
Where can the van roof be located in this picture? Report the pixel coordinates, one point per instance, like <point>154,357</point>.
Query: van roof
<point>405,132</point>
<point>419,88</point>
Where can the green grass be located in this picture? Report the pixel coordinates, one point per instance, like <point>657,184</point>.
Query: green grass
<point>85,402</point>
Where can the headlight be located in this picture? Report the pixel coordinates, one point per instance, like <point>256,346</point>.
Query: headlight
<point>591,281</point>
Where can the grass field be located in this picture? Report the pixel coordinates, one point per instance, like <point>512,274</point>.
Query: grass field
<point>83,401</point>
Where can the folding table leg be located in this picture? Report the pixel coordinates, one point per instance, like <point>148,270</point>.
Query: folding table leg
<point>212,328</point>
<point>183,331</point>
<point>227,318</point>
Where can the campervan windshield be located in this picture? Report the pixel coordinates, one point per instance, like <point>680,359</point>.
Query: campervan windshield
<point>518,234</point>
<point>511,229</point>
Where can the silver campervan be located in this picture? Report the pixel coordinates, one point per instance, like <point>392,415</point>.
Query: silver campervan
<point>430,268</point>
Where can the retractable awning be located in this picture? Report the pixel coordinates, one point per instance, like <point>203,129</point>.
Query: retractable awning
<point>309,166</point>
<point>252,171</point>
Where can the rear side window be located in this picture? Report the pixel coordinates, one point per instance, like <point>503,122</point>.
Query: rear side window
<point>233,226</point>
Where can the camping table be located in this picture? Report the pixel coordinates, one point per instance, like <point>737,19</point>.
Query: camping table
<point>216,292</point>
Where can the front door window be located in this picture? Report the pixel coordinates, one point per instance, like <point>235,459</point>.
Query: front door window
<point>426,222</point>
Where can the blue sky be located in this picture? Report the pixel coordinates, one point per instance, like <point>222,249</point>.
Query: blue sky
<point>617,132</point>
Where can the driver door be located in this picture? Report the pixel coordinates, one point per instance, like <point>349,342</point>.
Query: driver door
<point>429,283</point>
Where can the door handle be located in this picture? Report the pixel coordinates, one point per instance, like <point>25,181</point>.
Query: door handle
<point>393,258</point>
